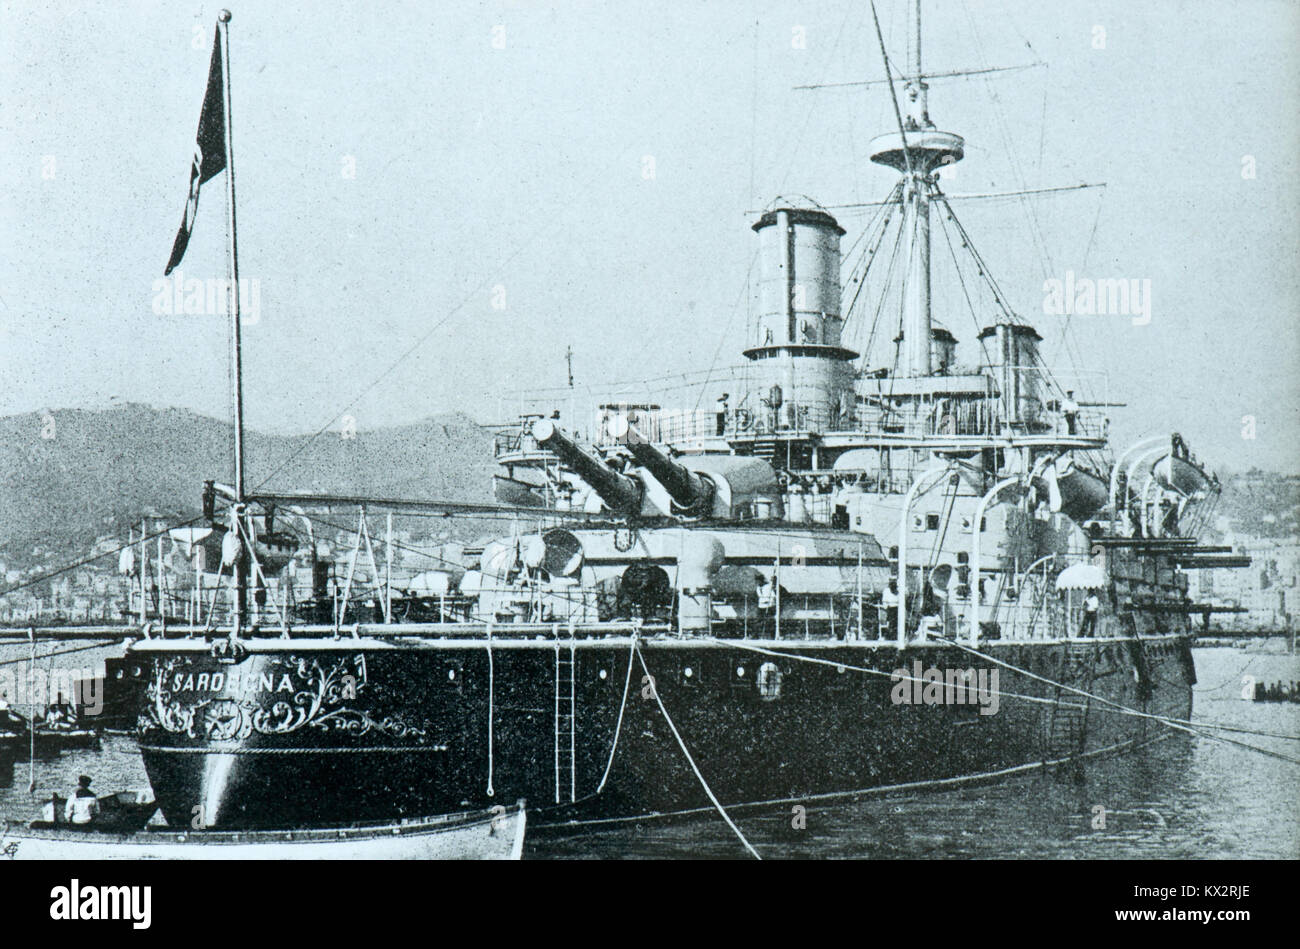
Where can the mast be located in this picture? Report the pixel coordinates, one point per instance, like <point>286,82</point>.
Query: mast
<point>917,90</point>
<point>236,349</point>
<point>916,151</point>
<point>917,327</point>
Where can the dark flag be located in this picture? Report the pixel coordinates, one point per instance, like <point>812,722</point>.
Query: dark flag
<point>209,152</point>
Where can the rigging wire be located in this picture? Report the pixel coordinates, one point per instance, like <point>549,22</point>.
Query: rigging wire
<point>902,291</point>
<point>798,139</point>
<point>722,337</point>
<point>869,260</point>
<point>1039,699</point>
<point>1066,343</point>
<point>961,279</point>
<point>100,556</point>
<point>1181,724</point>
<point>546,227</point>
<point>878,227</point>
<point>947,506</point>
<point>1003,303</point>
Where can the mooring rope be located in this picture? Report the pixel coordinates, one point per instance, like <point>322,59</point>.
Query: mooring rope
<point>691,761</point>
<point>31,725</point>
<point>618,725</point>
<point>336,750</point>
<point>1117,708</point>
<point>491,792</point>
<point>1231,680</point>
<point>1196,728</point>
<point>876,672</point>
<point>831,797</point>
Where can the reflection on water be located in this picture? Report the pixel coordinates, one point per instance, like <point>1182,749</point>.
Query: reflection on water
<point>1184,797</point>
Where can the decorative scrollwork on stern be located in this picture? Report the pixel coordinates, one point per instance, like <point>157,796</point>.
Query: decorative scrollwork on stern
<point>279,696</point>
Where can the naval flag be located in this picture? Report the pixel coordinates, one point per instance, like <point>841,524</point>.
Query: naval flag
<point>209,152</point>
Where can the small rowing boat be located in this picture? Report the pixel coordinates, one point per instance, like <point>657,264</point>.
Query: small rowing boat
<point>50,740</point>
<point>495,834</point>
<point>44,739</point>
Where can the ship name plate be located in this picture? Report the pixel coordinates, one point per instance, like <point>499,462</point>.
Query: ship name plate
<point>278,697</point>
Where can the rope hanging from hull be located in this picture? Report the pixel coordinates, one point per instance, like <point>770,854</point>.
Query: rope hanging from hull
<point>491,792</point>
<point>691,761</point>
<point>618,725</point>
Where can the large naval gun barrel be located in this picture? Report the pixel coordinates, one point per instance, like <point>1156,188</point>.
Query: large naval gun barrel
<point>620,493</point>
<point>688,490</point>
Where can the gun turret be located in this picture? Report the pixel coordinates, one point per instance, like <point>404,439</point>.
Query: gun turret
<point>692,493</point>
<point>620,493</point>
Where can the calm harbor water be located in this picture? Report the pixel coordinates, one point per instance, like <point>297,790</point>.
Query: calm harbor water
<point>1183,798</point>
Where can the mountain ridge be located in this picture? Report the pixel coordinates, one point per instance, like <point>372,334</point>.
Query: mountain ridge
<point>70,475</point>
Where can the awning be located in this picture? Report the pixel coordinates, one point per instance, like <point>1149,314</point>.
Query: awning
<point>1081,576</point>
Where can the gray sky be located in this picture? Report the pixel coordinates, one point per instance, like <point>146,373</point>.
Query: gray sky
<point>477,166</point>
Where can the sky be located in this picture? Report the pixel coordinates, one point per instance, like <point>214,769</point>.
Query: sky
<point>436,200</point>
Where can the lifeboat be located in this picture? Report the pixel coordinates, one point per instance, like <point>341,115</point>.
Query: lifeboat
<point>1181,476</point>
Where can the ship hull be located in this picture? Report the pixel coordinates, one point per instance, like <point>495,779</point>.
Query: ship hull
<point>294,736</point>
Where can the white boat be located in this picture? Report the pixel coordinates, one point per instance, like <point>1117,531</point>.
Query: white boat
<point>495,834</point>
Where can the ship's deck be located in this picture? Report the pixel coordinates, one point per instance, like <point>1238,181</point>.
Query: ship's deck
<point>468,634</point>
<point>534,636</point>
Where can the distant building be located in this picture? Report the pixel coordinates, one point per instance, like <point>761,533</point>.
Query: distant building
<point>1269,588</point>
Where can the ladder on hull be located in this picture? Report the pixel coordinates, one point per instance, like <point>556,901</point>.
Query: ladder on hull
<point>1067,726</point>
<point>1066,731</point>
<point>565,724</point>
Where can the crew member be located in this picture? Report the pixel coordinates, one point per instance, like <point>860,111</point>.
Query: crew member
<point>1090,607</point>
<point>889,606</point>
<point>58,714</point>
<point>767,599</point>
<point>82,806</point>
<point>1070,409</point>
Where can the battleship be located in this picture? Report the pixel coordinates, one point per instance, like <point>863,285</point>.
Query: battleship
<point>722,608</point>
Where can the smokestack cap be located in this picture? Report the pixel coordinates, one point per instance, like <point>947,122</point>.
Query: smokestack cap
<point>800,216</point>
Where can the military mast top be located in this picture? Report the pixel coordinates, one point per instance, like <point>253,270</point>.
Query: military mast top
<point>916,150</point>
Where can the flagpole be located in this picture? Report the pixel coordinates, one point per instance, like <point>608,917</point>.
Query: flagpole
<point>236,350</point>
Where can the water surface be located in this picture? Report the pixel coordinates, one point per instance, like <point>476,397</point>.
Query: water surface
<point>1183,798</point>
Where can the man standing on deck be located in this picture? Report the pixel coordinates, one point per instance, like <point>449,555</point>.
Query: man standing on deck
<point>1070,409</point>
<point>889,608</point>
<point>1090,607</point>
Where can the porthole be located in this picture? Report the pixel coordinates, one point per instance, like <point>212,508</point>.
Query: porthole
<point>604,674</point>
<point>688,672</point>
<point>769,682</point>
<point>740,671</point>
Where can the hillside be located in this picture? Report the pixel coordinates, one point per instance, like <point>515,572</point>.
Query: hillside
<point>1261,504</point>
<point>104,469</point>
